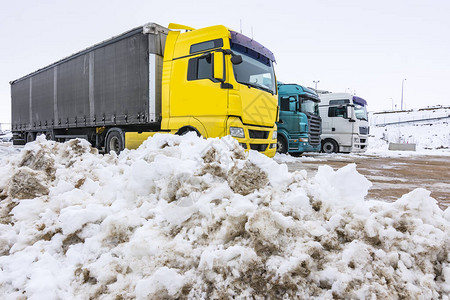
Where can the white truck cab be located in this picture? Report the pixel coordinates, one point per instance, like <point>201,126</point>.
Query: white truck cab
<point>345,126</point>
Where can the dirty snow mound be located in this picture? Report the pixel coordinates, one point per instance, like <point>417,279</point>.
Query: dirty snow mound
<point>184,217</point>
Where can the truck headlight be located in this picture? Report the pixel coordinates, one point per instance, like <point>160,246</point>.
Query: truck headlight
<point>274,135</point>
<point>305,140</point>
<point>356,140</point>
<point>237,132</point>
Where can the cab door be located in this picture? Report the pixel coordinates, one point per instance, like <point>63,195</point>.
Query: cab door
<point>194,90</point>
<point>340,125</point>
<point>289,116</point>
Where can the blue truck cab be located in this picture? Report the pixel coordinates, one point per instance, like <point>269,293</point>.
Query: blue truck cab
<point>299,124</point>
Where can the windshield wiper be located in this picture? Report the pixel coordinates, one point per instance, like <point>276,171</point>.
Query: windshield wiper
<point>257,86</point>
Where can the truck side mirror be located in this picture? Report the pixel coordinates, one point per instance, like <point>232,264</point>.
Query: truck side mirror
<point>350,114</point>
<point>293,99</point>
<point>236,59</point>
<point>218,66</point>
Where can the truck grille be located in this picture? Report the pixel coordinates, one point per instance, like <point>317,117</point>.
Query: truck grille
<point>315,129</point>
<point>258,134</point>
<point>258,147</point>
<point>364,130</point>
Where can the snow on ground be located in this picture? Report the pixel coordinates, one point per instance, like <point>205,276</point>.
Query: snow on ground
<point>7,149</point>
<point>432,134</point>
<point>430,137</point>
<point>184,217</point>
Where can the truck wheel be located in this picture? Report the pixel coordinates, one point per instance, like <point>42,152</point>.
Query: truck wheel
<point>115,141</point>
<point>281,145</point>
<point>30,137</point>
<point>296,154</point>
<point>329,146</point>
<point>185,130</point>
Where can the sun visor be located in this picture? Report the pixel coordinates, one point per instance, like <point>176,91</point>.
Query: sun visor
<point>360,101</point>
<point>242,40</point>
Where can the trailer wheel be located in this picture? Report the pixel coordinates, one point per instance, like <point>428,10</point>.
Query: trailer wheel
<point>329,146</point>
<point>50,136</point>
<point>31,136</point>
<point>281,144</point>
<point>115,141</point>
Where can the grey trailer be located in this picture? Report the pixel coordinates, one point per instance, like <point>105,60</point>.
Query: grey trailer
<point>96,94</point>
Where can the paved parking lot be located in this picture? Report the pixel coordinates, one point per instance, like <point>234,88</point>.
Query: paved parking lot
<point>391,176</point>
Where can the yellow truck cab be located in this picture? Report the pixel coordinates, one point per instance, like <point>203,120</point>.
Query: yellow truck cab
<point>213,81</point>
<point>203,89</point>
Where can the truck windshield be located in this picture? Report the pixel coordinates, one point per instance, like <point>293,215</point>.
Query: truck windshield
<point>361,112</point>
<point>254,73</point>
<point>309,106</point>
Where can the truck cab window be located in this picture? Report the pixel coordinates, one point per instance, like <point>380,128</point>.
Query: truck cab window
<point>361,112</point>
<point>339,102</point>
<point>288,103</point>
<point>309,106</point>
<point>200,68</point>
<point>205,68</point>
<point>203,46</point>
<point>337,111</point>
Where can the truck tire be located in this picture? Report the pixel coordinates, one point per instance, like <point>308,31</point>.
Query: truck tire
<point>50,135</point>
<point>281,145</point>
<point>185,130</point>
<point>31,136</point>
<point>330,146</point>
<point>296,154</point>
<point>115,141</point>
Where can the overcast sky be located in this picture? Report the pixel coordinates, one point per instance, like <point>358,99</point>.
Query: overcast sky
<point>367,47</point>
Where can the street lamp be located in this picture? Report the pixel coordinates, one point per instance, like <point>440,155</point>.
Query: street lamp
<point>401,105</point>
<point>316,82</point>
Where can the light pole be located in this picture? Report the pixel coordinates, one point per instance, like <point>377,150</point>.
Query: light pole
<point>392,100</point>
<point>316,82</point>
<point>401,105</point>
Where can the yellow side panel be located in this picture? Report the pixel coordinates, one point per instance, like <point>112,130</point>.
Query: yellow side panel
<point>215,126</point>
<point>134,139</point>
<point>166,74</point>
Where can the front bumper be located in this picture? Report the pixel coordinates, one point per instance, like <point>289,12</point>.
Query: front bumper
<point>360,144</point>
<point>296,145</point>
<point>255,137</point>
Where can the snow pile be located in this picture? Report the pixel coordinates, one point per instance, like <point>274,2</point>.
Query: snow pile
<point>183,217</point>
<point>6,137</point>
